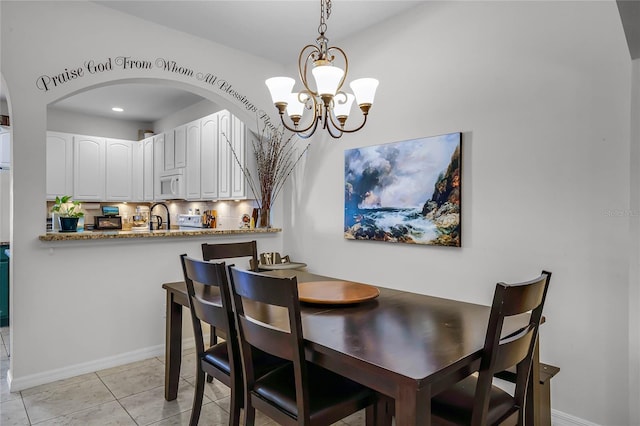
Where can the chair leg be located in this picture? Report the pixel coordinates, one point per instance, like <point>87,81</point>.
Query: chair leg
<point>235,408</point>
<point>249,415</point>
<point>197,398</point>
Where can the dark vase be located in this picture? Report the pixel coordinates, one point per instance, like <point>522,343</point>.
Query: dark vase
<point>264,218</point>
<point>68,224</point>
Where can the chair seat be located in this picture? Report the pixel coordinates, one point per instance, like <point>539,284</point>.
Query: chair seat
<point>455,404</point>
<point>218,356</point>
<point>326,391</point>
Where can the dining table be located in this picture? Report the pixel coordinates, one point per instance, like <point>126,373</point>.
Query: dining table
<point>404,345</point>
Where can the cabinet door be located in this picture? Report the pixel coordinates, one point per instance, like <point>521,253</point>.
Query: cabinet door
<point>238,186</point>
<point>193,160</point>
<point>5,148</point>
<point>147,169</point>
<point>89,168</point>
<point>169,150</point>
<point>158,163</point>
<point>224,154</point>
<point>138,171</point>
<point>181,145</point>
<point>209,157</point>
<point>59,165</point>
<point>119,170</point>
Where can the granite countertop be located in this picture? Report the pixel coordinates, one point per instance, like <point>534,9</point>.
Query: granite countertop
<point>101,235</point>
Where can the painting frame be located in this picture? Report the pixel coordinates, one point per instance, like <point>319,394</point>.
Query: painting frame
<point>408,191</point>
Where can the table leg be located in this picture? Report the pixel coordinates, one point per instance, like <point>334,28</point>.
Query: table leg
<point>413,407</point>
<point>173,348</point>
<point>532,408</point>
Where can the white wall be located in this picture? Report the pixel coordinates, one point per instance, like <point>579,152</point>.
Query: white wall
<point>83,124</point>
<point>541,91</point>
<point>194,112</point>
<point>94,304</point>
<point>634,253</point>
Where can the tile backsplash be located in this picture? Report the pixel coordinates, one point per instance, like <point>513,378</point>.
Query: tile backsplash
<point>229,213</point>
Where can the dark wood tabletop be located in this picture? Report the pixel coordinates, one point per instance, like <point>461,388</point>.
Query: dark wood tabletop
<point>407,346</point>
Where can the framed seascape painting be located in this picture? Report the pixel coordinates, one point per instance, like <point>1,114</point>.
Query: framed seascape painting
<point>405,192</point>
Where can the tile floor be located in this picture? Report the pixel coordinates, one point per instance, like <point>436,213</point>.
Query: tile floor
<point>131,394</point>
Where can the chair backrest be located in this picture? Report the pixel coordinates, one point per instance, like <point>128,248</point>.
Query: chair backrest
<point>515,349</point>
<point>209,300</point>
<point>232,250</point>
<point>265,325</point>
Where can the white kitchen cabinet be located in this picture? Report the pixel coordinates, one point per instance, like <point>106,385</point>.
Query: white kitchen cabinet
<point>59,165</point>
<point>209,157</point>
<point>138,171</point>
<point>148,177</point>
<point>224,154</point>
<point>238,185</point>
<point>169,150</point>
<point>158,164</point>
<point>88,168</point>
<point>192,131</point>
<point>5,148</point>
<point>181,145</point>
<point>119,170</point>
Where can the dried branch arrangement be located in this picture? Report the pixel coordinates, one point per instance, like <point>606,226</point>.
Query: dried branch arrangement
<point>276,158</point>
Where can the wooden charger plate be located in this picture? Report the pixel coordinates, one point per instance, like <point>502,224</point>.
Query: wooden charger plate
<point>336,292</point>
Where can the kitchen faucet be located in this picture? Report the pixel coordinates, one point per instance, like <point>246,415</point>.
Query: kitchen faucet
<point>168,216</point>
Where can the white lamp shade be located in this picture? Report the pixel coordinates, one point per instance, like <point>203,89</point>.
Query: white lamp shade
<point>342,107</point>
<point>364,89</point>
<point>280,88</point>
<point>294,106</point>
<point>327,79</point>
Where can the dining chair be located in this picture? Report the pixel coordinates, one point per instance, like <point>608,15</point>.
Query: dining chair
<point>267,314</point>
<point>229,251</point>
<point>232,250</point>
<point>475,400</point>
<point>205,281</point>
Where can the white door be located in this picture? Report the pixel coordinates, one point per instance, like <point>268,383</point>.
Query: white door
<point>5,148</point>
<point>193,160</point>
<point>180,146</point>
<point>89,168</point>
<point>59,165</point>
<point>224,154</point>
<point>158,164</point>
<point>147,169</point>
<point>238,186</point>
<point>209,157</point>
<point>119,166</point>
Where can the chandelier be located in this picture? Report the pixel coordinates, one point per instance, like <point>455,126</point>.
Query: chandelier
<point>328,103</point>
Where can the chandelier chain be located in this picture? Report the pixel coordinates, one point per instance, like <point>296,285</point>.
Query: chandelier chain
<point>325,12</point>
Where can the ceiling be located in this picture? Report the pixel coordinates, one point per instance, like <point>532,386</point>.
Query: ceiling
<point>259,27</point>
<point>236,24</point>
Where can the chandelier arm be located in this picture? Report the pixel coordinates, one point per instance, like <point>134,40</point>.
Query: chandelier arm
<point>357,128</point>
<point>346,65</point>
<point>303,65</point>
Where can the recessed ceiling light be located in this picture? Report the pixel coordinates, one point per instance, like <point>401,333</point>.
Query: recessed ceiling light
<point>117,109</point>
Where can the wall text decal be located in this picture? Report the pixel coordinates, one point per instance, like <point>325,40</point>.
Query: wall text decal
<point>47,82</point>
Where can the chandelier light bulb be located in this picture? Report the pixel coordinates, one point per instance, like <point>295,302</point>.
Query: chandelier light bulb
<point>342,104</point>
<point>365,90</point>
<point>328,79</point>
<point>280,88</point>
<point>295,107</point>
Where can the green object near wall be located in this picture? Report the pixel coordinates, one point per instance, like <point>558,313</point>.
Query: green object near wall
<point>4,287</point>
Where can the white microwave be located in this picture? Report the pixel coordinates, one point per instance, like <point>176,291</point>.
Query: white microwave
<point>172,185</point>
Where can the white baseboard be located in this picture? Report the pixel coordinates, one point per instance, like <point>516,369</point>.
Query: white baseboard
<point>22,383</point>
<point>558,418</point>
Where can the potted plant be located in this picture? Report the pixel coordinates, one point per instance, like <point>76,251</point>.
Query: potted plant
<point>68,213</point>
